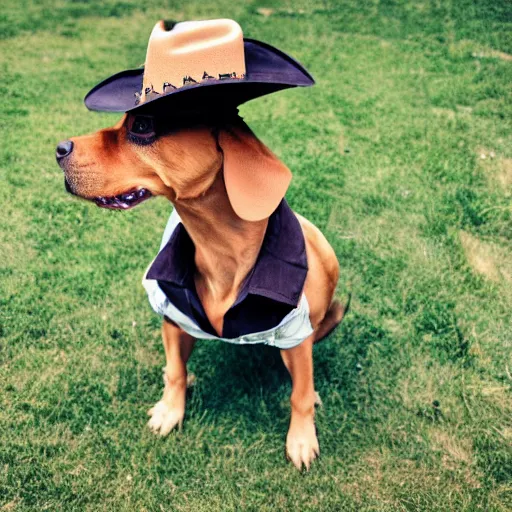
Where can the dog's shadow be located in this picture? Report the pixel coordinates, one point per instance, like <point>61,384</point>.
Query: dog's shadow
<point>250,383</point>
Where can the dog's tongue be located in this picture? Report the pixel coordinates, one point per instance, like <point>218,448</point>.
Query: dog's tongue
<point>124,201</point>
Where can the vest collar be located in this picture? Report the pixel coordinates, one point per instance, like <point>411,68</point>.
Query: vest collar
<point>279,273</point>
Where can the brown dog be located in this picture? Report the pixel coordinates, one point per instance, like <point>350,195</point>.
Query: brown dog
<point>142,156</point>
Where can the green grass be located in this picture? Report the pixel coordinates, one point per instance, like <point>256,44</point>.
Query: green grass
<point>386,152</point>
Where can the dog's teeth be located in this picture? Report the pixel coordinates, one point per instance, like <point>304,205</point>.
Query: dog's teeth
<point>129,197</point>
<point>141,192</point>
<point>120,203</point>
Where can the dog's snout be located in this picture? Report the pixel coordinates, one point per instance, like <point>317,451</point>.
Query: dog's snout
<point>64,148</point>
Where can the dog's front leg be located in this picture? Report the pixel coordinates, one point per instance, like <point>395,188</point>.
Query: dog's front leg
<point>301,441</point>
<point>170,410</point>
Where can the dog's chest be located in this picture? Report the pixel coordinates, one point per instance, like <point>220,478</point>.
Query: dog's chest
<point>214,309</point>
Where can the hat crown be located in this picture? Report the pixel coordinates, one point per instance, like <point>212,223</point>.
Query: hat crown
<point>191,52</point>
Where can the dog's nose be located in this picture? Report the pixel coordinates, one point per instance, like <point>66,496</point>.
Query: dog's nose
<point>64,148</point>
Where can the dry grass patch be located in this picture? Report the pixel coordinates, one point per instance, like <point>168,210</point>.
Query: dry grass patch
<point>498,397</point>
<point>505,174</point>
<point>492,54</point>
<point>489,260</point>
<point>427,382</point>
<point>454,450</point>
<point>390,480</point>
<point>485,154</point>
<point>498,170</point>
<point>444,112</point>
<point>370,480</point>
<point>466,47</point>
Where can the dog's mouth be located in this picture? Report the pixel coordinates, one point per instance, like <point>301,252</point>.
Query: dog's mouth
<point>123,201</point>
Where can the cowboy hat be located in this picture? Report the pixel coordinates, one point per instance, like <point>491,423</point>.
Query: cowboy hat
<point>196,63</point>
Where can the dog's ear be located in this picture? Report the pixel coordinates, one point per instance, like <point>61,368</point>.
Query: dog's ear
<point>256,180</point>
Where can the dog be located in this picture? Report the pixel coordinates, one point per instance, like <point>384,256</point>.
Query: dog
<point>232,244</point>
<point>186,167</point>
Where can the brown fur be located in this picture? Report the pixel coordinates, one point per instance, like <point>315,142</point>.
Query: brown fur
<point>186,166</point>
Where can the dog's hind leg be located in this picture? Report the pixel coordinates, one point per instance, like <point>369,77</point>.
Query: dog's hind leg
<point>332,319</point>
<point>169,412</point>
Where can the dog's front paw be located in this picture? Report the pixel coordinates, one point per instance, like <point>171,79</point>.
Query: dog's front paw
<point>170,411</point>
<point>301,442</point>
<point>164,418</point>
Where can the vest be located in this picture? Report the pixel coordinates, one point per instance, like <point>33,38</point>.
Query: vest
<point>271,307</point>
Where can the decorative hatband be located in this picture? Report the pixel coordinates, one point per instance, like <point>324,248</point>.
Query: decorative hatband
<point>150,93</point>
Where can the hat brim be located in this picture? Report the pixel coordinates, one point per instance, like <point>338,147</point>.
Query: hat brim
<point>267,70</point>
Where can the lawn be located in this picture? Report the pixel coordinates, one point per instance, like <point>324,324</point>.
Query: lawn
<point>401,154</point>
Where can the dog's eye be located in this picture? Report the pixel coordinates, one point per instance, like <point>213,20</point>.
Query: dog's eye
<point>142,126</point>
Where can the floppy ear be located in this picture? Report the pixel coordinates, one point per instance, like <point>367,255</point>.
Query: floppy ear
<point>256,180</point>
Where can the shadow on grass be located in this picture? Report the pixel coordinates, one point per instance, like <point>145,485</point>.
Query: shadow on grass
<point>252,386</point>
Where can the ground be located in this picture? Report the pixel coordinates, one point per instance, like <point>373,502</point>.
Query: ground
<point>401,154</point>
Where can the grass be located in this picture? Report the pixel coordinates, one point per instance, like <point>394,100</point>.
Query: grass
<point>401,154</point>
